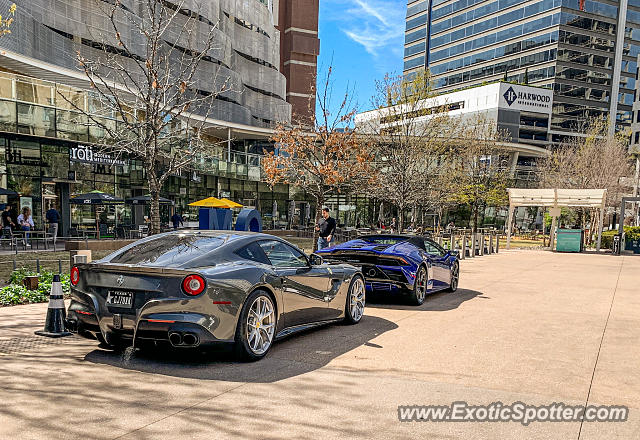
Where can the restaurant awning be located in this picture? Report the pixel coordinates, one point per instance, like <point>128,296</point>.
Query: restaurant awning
<point>96,198</point>
<point>7,192</point>
<point>231,203</point>
<point>211,202</point>
<point>146,200</point>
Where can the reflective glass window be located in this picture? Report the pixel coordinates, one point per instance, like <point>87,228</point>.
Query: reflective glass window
<point>418,21</point>
<point>36,120</point>
<point>416,48</point>
<point>414,36</point>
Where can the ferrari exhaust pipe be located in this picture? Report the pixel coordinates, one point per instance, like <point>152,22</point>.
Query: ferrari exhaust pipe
<point>175,339</point>
<point>190,339</point>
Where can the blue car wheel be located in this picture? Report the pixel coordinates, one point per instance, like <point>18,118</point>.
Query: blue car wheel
<point>455,277</point>
<point>420,286</point>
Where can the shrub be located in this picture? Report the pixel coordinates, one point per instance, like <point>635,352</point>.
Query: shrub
<point>16,293</point>
<point>630,233</point>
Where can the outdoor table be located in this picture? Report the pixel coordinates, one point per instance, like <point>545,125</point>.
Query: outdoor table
<point>34,237</point>
<point>88,231</point>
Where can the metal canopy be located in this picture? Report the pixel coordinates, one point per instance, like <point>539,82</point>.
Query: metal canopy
<point>557,198</point>
<point>583,198</point>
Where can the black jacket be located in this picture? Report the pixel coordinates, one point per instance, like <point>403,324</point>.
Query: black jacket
<point>327,227</point>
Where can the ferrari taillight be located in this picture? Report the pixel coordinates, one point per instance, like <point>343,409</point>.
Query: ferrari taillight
<point>74,276</point>
<point>193,285</point>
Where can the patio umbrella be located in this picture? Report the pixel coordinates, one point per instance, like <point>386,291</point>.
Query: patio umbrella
<point>211,202</point>
<point>146,200</point>
<point>96,198</point>
<point>232,204</point>
<point>7,192</point>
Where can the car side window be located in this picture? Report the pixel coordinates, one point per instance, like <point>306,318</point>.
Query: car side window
<point>253,252</point>
<point>433,248</point>
<point>283,255</point>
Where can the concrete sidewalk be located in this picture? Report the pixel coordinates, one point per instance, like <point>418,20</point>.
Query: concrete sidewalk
<point>530,326</point>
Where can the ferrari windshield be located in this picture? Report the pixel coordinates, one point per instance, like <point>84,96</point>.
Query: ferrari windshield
<point>383,239</point>
<point>170,250</point>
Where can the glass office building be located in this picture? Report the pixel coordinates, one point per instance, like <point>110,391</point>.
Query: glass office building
<point>586,51</point>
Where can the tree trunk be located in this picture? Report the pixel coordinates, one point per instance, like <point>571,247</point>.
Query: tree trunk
<point>154,214</point>
<point>316,234</point>
<point>475,218</point>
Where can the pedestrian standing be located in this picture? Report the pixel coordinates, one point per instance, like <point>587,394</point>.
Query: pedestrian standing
<point>25,221</point>
<point>176,219</point>
<point>53,217</point>
<point>7,222</point>
<point>393,225</point>
<point>327,228</point>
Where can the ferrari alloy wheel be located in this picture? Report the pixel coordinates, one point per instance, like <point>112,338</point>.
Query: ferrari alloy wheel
<point>257,326</point>
<point>355,301</point>
<point>455,276</point>
<point>420,286</point>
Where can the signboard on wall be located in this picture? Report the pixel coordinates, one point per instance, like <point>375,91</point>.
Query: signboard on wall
<point>26,202</point>
<point>525,98</point>
<point>87,154</point>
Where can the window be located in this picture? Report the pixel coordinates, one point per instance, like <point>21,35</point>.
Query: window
<point>283,255</point>
<point>432,248</point>
<point>253,252</point>
<point>637,137</point>
<point>172,250</point>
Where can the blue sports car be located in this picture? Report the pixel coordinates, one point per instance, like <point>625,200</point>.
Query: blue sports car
<point>412,265</point>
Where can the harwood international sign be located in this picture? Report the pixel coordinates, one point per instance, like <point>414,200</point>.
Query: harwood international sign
<point>86,154</point>
<point>526,98</point>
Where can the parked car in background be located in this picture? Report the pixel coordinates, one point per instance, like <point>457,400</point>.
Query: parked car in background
<point>209,288</point>
<point>409,265</point>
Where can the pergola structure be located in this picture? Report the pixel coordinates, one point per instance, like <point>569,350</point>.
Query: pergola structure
<point>556,199</point>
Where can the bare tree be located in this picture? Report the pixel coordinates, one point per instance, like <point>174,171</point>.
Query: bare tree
<point>594,161</point>
<point>479,165</point>
<point>149,75</point>
<point>324,159</point>
<point>408,134</point>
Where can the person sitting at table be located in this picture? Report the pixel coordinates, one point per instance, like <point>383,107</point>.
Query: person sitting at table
<point>25,221</point>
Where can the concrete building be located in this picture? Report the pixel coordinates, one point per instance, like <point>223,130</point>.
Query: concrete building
<point>46,147</point>
<point>523,112</point>
<point>583,50</point>
<point>300,47</point>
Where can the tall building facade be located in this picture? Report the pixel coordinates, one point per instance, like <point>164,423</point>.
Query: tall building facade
<point>300,47</point>
<point>49,150</point>
<point>585,51</point>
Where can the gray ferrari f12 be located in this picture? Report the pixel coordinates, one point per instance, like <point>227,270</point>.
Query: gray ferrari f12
<point>206,288</point>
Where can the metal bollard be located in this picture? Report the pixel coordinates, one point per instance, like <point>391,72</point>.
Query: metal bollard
<point>37,265</point>
<point>59,266</point>
<point>497,242</point>
<point>490,244</point>
<point>463,251</point>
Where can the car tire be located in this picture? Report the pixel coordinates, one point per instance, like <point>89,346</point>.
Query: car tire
<point>455,277</point>
<point>354,307</point>
<point>419,292</point>
<point>252,341</point>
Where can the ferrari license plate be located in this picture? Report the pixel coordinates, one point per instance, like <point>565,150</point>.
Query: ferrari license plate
<point>120,298</point>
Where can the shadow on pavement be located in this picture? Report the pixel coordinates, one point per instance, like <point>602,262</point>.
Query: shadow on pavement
<point>436,302</point>
<point>293,356</point>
